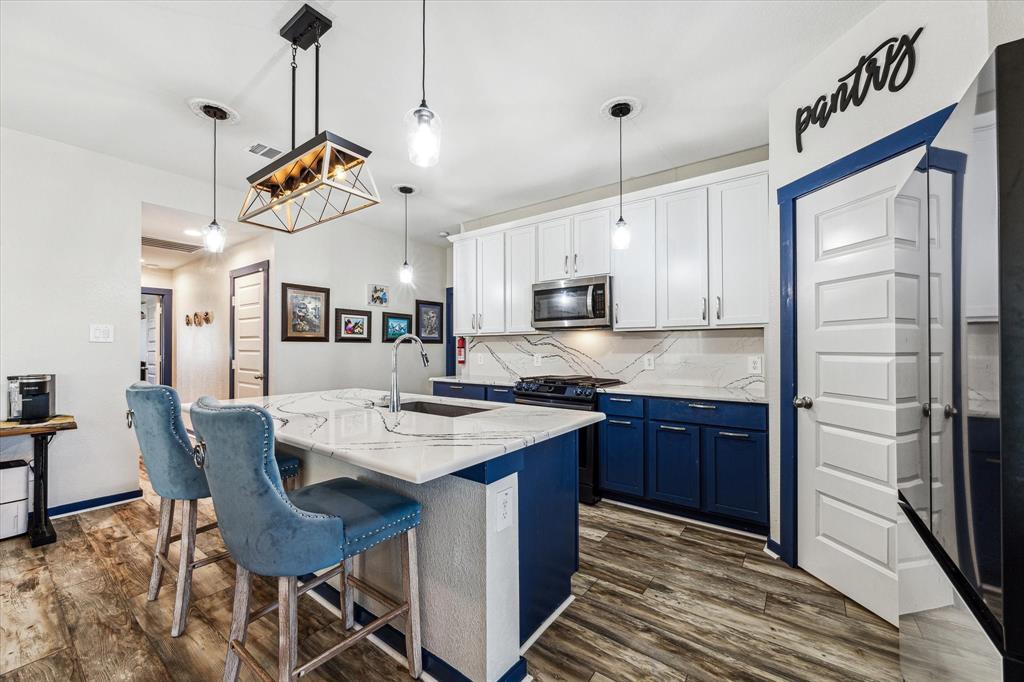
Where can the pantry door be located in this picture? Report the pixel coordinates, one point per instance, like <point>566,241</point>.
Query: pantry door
<point>860,333</point>
<point>154,353</point>
<point>249,333</point>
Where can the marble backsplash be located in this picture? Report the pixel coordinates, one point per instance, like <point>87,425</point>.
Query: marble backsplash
<point>983,369</point>
<point>713,358</point>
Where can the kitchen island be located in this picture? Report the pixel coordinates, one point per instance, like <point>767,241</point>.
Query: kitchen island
<point>499,539</point>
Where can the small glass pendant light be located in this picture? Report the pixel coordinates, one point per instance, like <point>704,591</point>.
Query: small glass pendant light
<point>423,125</point>
<point>214,236</point>
<point>405,274</point>
<point>620,234</point>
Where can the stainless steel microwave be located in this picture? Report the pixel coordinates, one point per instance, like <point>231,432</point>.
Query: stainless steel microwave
<point>584,302</point>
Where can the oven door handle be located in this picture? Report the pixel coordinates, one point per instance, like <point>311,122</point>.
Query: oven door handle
<point>590,302</point>
<point>583,407</point>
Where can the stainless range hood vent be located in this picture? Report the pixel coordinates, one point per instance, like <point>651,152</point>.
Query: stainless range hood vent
<point>171,246</point>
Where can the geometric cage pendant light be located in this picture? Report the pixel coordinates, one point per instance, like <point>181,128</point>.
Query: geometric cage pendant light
<point>324,178</point>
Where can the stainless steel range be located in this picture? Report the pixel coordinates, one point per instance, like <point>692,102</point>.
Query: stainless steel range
<point>573,392</point>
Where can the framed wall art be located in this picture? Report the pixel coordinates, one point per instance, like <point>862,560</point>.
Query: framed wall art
<point>305,312</point>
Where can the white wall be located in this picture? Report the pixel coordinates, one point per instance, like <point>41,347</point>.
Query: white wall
<point>159,278</point>
<point>202,354</point>
<point>69,256</point>
<point>346,256</point>
<point>950,52</point>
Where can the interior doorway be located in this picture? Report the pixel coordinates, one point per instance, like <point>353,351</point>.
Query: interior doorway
<point>249,362</point>
<point>155,345</point>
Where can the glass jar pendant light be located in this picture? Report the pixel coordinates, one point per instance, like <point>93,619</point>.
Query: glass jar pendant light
<point>405,274</point>
<point>214,236</point>
<point>423,125</point>
<point>620,234</point>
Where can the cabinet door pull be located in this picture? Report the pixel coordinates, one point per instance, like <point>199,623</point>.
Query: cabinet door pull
<point>704,308</point>
<point>575,263</point>
<point>621,422</point>
<point>702,406</point>
<point>566,266</point>
<point>718,308</point>
<point>620,400</point>
<point>733,434</point>
<point>480,321</point>
<point>665,427</point>
<point>500,390</point>
<point>616,313</point>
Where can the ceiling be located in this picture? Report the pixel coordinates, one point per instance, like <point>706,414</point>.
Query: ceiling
<point>518,86</point>
<point>184,227</point>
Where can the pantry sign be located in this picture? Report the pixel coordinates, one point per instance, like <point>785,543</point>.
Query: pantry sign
<point>890,66</point>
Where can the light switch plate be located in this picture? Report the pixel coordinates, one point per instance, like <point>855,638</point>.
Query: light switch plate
<point>755,365</point>
<point>101,333</point>
<point>504,509</point>
<point>479,358</point>
<point>648,362</point>
<point>536,359</point>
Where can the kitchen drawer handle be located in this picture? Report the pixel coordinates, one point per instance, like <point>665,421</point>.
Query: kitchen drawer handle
<point>500,390</point>
<point>455,387</point>
<point>621,422</point>
<point>663,427</point>
<point>620,400</point>
<point>702,406</point>
<point>733,434</point>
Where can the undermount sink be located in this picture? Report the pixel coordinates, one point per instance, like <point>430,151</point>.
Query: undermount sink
<point>441,409</point>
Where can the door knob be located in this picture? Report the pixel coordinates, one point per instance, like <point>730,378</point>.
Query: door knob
<point>949,411</point>
<point>258,376</point>
<point>803,401</point>
<point>926,409</point>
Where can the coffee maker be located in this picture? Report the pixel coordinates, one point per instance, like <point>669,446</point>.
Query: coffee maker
<point>31,398</point>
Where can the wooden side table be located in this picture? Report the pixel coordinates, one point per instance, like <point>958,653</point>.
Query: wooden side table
<point>41,530</point>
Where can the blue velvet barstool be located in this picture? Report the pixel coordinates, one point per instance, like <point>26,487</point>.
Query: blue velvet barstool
<point>273,533</point>
<point>155,412</point>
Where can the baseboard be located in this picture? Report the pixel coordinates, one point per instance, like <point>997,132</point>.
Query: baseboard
<point>545,625</point>
<point>773,548</point>
<point>683,517</point>
<point>94,503</point>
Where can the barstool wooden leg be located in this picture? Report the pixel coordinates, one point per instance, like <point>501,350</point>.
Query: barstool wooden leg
<point>163,541</point>
<point>347,602</point>
<point>411,585</point>
<point>239,621</point>
<point>288,627</point>
<point>188,550</point>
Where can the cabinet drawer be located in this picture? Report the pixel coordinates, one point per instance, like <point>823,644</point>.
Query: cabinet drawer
<point>468,391</point>
<point>739,415</point>
<point>621,405</point>
<point>621,457</point>
<point>500,394</point>
<point>736,473</point>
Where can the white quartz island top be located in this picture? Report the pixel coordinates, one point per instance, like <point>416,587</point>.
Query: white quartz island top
<point>354,425</point>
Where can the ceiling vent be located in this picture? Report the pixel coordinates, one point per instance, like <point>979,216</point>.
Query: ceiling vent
<point>170,246</point>
<point>266,151</point>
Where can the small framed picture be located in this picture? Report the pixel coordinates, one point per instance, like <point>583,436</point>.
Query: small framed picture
<point>305,312</point>
<point>353,325</point>
<point>430,321</point>
<point>396,324</point>
<point>378,294</point>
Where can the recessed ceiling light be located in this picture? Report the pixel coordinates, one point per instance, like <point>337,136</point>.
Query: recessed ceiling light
<point>194,233</point>
<point>142,260</point>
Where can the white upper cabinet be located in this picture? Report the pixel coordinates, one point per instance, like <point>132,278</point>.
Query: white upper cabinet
<point>633,270</point>
<point>591,244</point>
<point>464,284</point>
<point>520,275</point>
<point>738,247</point>
<point>490,317</point>
<point>682,264</point>
<point>554,249</point>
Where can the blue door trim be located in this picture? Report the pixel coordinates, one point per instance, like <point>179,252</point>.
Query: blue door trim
<point>916,134</point>
<point>449,332</point>
<point>166,321</point>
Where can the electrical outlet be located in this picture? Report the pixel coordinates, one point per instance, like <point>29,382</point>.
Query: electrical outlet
<point>536,359</point>
<point>755,365</point>
<point>648,362</point>
<point>504,509</point>
<point>479,358</point>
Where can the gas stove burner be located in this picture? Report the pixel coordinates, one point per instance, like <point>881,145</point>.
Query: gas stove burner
<point>572,380</point>
<point>554,389</point>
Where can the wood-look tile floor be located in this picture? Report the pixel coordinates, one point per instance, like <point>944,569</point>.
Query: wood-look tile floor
<point>657,599</point>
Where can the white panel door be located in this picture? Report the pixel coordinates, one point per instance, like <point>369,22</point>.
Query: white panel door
<point>464,284</point>
<point>633,270</point>
<point>682,248</point>
<point>154,353</point>
<point>738,230</point>
<point>520,275</point>
<point>591,244</point>
<point>248,342</point>
<point>848,311</point>
<point>490,316</point>
<point>554,248</point>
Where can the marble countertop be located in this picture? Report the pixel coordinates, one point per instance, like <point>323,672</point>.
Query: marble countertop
<point>354,425</point>
<point>655,390</point>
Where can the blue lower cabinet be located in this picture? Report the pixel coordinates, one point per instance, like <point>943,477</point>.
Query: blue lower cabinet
<point>621,457</point>
<point>736,473</point>
<point>468,391</point>
<point>500,394</point>
<point>673,463</point>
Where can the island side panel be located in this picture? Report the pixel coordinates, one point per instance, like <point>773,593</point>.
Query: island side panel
<point>548,529</point>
